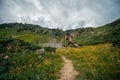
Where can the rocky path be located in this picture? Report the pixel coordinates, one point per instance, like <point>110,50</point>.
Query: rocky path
<point>67,72</point>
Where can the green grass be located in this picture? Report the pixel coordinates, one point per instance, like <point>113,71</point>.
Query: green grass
<point>7,32</point>
<point>99,62</point>
<point>26,36</point>
<point>19,61</point>
<point>31,67</point>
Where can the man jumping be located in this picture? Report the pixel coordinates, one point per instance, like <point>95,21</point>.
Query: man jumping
<point>69,40</point>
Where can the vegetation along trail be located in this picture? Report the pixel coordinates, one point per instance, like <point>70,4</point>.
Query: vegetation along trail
<point>67,71</point>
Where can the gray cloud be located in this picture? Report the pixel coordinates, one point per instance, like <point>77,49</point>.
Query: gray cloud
<point>65,14</point>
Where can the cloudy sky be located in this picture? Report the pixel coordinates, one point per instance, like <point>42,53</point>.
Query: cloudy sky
<point>65,14</point>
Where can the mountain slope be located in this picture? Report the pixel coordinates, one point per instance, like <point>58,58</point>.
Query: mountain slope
<point>109,33</point>
<point>29,32</point>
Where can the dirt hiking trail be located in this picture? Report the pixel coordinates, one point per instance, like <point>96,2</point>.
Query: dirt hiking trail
<point>67,72</point>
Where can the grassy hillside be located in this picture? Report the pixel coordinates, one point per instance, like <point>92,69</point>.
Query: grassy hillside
<point>20,61</point>
<point>109,33</point>
<point>98,62</point>
<point>98,59</point>
<point>29,32</point>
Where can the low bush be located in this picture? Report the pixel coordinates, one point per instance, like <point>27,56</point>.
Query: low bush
<point>8,44</point>
<point>50,49</point>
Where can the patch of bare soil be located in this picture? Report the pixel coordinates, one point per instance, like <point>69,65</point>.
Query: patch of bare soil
<point>67,72</point>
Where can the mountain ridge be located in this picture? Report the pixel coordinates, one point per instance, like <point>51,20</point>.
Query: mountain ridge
<point>37,34</point>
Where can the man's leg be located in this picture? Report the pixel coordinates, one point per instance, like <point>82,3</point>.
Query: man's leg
<point>75,44</point>
<point>67,44</point>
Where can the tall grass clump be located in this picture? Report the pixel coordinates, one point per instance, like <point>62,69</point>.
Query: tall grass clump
<point>30,67</point>
<point>98,62</point>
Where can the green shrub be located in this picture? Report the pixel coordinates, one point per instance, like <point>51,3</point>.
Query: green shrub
<point>50,49</point>
<point>8,44</point>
